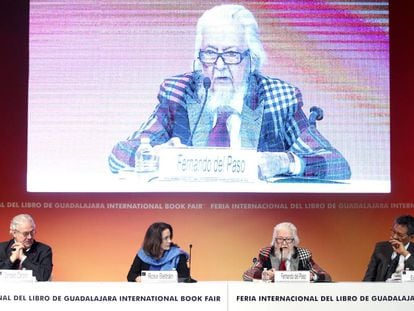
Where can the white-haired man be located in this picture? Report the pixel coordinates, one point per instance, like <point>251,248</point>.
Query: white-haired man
<point>226,102</point>
<point>284,254</point>
<point>24,252</point>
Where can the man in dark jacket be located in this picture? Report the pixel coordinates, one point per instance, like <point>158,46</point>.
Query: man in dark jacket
<point>395,255</point>
<point>23,252</point>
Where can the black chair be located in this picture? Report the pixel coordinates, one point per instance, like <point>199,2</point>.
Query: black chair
<point>316,114</point>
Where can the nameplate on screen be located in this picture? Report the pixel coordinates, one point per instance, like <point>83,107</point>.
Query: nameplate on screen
<point>208,164</point>
<point>17,276</point>
<point>407,276</point>
<point>292,276</point>
<point>159,276</point>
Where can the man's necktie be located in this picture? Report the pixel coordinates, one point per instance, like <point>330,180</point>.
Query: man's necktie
<point>219,135</point>
<point>282,265</point>
<point>392,266</point>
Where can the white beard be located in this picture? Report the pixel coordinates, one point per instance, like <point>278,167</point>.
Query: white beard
<point>231,101</point>
<point>287,253</point>
<point>224,100</point>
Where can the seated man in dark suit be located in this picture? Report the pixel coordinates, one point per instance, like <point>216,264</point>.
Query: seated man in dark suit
<point>284,254</point>
<point>395,255</point>
<point>23,252</point>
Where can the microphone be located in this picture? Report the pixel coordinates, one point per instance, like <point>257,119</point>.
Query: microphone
<point>246,276</point>
<point>281,256</point>
<point>206,85</point>
<point>189,279</point>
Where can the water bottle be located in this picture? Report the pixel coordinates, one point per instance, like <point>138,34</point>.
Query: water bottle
<point>145,158</point>
<point>265,276</point>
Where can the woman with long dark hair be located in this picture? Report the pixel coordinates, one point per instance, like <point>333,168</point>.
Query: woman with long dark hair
<point>158,252</point>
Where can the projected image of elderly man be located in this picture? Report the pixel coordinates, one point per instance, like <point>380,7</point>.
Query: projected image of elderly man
<point>227,102</point>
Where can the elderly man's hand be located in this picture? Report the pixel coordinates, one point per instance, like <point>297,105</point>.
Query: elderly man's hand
<point>273,164</point>
<point>17,252</point>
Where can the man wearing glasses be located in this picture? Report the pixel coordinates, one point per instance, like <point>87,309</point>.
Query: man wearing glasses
<point>226,102</point>
<point>284,254</point>
<point>22,252</point>
<point>391,257</point>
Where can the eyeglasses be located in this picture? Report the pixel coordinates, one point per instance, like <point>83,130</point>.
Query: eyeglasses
<point>398,234</point>
<point>210,57</point>
<point>26,234</point>
<point>280,240</point>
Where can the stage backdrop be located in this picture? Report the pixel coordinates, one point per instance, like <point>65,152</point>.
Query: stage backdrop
<point>95,235</point>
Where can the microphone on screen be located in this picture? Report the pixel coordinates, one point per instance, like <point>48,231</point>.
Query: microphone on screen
<point>189,279</point>
<point>206,85</point>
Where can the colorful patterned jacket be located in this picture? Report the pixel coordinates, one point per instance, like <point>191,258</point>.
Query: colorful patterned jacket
<point>272,120</point>
<point>301,259</point>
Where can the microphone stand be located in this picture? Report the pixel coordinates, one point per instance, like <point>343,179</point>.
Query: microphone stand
<point>189,279</point>
<point>206,85</point>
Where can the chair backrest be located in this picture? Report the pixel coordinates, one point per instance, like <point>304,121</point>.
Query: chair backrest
<point>316,114</point>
